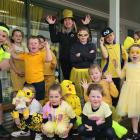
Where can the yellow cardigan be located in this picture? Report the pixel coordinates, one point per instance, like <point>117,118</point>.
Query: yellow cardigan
<point>109,90</point>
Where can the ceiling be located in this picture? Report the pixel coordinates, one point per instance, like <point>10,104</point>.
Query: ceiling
<point>129,9</point>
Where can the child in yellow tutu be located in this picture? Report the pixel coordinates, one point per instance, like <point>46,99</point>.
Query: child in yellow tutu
<point>129,103</point>
<point>58,115</point>
<point>83,55</point>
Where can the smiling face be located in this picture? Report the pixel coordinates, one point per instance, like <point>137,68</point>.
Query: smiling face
<point>95,75</point>
<point>3,37</point>
<point>134,54</point>
<point>17,37</point>
<point>68,23</point>
<point>54,97</point>
<point>33,45</point>
<point>110,38</point>
<point>95,98</point>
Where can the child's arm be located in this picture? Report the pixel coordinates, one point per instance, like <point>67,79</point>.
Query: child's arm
<point>48,52</point>
<point>4,65</point>
<point>121,73</point>
<point>85,85</point>
<point>103,48</point>
<point>12,65</point>
<point>54,61</point>
<point>124,55</point>
<point>112,88</point>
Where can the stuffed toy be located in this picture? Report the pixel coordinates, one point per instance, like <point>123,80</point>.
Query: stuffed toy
<point>20,100</point>
<point>69,95</point>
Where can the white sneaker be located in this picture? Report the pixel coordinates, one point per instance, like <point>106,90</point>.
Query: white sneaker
<point>20,133</point>
<point>38,136</point>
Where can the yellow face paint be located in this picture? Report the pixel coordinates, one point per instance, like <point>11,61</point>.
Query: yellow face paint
<point>135,51</point>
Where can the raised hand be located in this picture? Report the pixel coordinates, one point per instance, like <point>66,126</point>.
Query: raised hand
<point>86,20</point>
<point>84,84</point>
<point>101,41</point>
<point>51,19</point>
<point>108,78</point>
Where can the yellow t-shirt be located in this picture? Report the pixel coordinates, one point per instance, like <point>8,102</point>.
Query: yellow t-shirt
<point>103,111</point>
<point>34,66</point>
<point>114,53</point>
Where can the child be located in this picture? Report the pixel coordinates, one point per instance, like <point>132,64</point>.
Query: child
<point>66,38</point>
<point>4,64</point>
<point>49,70</point>
<point>96,117</point>
<point>34,65</point>
<point>108,85</point>
<point>111,53</point>
<point>128,103</point>
<point>58,115</point>
<point>129,41</point>
<point>17,66</point>
<point>82,55</point>
<point>23,117</point>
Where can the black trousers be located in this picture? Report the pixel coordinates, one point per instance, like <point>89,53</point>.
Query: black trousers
<point>66,69</point>
<point>117,82</point>
<point>98,133</point>
<point>40,90</point>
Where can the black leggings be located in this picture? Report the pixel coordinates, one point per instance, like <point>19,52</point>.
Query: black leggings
<point>109,133</point>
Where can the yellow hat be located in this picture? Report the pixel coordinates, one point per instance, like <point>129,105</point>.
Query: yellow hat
<point>67,14</point>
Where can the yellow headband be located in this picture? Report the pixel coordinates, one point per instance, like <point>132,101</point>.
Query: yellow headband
<point>4,29</point>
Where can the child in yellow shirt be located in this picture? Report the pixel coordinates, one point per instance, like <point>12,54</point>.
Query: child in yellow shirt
<point>34,65</point>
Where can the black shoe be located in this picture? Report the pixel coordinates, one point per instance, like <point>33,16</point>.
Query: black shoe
<point>134,136</point>
<point>3,132</point>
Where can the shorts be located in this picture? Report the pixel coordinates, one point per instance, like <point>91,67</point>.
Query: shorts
<point>0,92</point>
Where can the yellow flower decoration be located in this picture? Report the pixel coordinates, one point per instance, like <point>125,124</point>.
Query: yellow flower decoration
<point>28,93</point>
<point>37,118</point>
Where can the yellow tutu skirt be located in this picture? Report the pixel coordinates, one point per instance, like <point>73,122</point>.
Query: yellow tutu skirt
<point>76,76</point>
<point>129,101</point>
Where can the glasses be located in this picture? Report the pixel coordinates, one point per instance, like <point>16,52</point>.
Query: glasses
<point>82,35</point>
<point>135,52</point>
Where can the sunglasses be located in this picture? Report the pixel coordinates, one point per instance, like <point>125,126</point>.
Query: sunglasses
<point>135,52</point>
<point>83,35</point>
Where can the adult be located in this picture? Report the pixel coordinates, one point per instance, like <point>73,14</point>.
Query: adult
<point>66,38</point>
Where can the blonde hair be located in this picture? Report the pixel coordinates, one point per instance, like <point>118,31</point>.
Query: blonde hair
<point>74,28</point>
<point>93,66</point>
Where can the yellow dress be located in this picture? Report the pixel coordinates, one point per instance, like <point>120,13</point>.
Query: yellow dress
<point>129,101</point>
<point>18,81</point>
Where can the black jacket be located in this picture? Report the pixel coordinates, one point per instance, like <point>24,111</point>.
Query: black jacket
<point>66,40</point>
<point>86,57</point>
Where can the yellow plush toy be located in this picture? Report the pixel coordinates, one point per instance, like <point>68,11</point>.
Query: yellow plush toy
<point>69,95</point>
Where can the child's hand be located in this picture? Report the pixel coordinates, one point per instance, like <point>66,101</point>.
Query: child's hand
<point>86,20</point>
<point>108,78</point>
<point>20,74</point>
<point>114,61</point>
<point>26,113</point>
<point>102,41</point>
<point>92,51</point>
<point>88,128</point>
<point>51,19</point>
<point>78,55</point>
<point>84,84</point>
<point>15,114</point>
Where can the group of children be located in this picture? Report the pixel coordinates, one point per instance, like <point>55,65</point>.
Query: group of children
<point>99,87</point>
